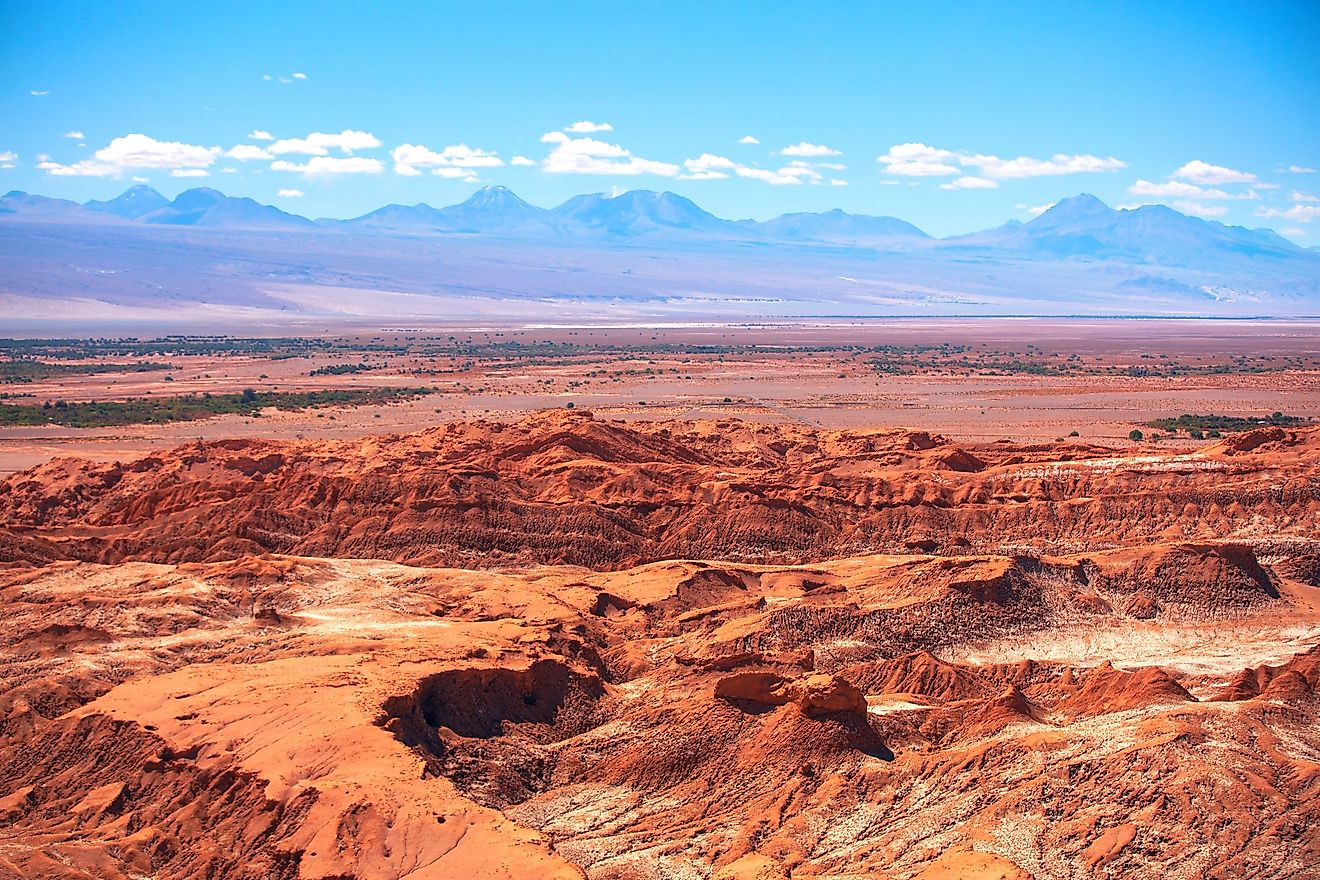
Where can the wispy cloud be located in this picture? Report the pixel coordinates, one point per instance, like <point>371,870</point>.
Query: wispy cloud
<point>523,162</point>
<point>806,150</point>
<point>74,135</point>
<point>327,165</point>
<point>190,172</point>
<point>789,175</point>
<point>1294,196</point>
<point>1181,189</point>
<point>970,183</point>
<point>258,134</point>
<point>1300,213</point>
<point>748,139</point>
<point>585,127</point>
<point>290,194</point>
<point>1025,166</point>
<point>1203,172</point>
<point>922,160</point>
<point>1197,209</point>
<point>39,94</point>
<point>1036,210</point>
<point>1293,169</point>
<point>320,143</point>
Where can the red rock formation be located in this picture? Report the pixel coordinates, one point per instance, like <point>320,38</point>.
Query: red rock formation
<point>1033,685</point>
<point>565,488</point>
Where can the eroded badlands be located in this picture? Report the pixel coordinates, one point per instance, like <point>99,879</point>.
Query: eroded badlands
<point>571,647</point>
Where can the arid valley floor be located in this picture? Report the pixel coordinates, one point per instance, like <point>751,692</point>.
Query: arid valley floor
<point>902,599</point>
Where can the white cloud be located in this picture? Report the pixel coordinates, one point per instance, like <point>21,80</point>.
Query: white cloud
<point>1296,196</point>
<point>805,150</point>
<point>141,179</point>
<point>1177,189</point>
<point>265,77</point>
<point>1295,169</point>
<point>8,155</point>
<point>258,134</point>
<point>290,194</point>
<point>190,172</point>
<point>453,161</point>
<point>1025,166</point>
<point>748,139</point>
<point>246,152</point>
<point>970,183</point>
<point>1037,210</point>
<point>300,76</point>
<point>590,156</point>
<point>330,165</point>
<point>920,169</point>
<point>917,160</point>
<point>588,127</point>
<point>74,135</point>
<point>229,170</point>
<point>135,151</point>
<point>1202,172</point>
<point>921,160</point>
<point>39,94</point>
<point>466,157</point>
<point>453,173</point>
<point>1300,213</point>
<point>523,162</point>
<point>320,143</point>
<point>789,175</point>
<point>140,151</point>
<point>1196,209</point>
<point>708,166</point>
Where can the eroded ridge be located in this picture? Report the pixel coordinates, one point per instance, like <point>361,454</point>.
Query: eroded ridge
<point>564,488</point>
<point>1006,703</point>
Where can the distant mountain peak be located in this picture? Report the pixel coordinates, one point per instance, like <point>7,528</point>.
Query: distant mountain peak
<point>495,196</point>
<point>132,203</point>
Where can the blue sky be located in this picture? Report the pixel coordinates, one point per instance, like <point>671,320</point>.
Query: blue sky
<point>954,116</point>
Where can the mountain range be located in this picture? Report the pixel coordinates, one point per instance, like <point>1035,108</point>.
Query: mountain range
<point>1082,226</point>
<point>642,253</point>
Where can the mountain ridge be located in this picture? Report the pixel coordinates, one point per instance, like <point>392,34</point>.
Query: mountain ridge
<point>1079,226</point>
